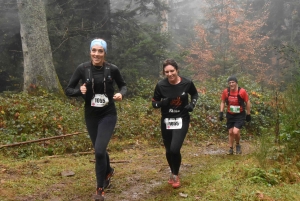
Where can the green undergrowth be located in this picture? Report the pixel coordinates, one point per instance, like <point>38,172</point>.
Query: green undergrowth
<point>25,117</point>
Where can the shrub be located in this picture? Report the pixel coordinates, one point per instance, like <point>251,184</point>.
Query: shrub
<point>25,117</point>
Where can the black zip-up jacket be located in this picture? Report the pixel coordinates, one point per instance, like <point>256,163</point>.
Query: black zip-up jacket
<point>98,76</point>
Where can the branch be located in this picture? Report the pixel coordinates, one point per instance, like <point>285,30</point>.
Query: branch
<point>118,161</point>
<point>72,154</point>
<point>60,45</point>
<point>86,153</point>
<point>40,140</point>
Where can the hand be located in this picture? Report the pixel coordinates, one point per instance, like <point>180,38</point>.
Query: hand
<point>221,116</point>
<point>118,97</point>
<point>83,88</point>
<point>248,117</point>
<point>189,107</point>
<point>87,90</point>
<point>165,101</point>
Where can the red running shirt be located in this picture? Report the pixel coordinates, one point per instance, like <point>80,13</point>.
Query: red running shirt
<point>233,98</point>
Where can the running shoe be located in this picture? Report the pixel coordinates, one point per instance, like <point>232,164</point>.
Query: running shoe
<point>176,181</point>
<point>238,149</point>
<point>171,179</point>
<point>108,177</point>
<point>230,152</point>
<point>99,195</point>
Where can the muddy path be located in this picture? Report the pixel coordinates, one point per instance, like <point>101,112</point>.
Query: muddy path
<point>139,169</point>
<point>151,169</point>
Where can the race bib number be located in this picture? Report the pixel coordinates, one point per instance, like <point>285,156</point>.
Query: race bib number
<point>235,109</point>
<point>100,100</point>
<point>173,123</point>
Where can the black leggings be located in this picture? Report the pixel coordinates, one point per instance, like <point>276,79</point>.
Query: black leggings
<point>173,140</point>
<point>100,131</point>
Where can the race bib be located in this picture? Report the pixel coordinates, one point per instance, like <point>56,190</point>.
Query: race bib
<point>173,123</point>
<point>235,109</point>
<point>100,100</point>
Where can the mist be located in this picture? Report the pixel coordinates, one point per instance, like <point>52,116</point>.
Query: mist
<point>209,38</point>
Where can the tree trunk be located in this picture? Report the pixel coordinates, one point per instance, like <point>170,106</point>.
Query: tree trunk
<point>39,71</point>
<point>165,19</point>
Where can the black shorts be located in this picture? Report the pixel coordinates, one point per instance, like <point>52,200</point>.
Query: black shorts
<point>235,120</point>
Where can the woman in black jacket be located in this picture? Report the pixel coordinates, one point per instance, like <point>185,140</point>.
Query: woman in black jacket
<point>171,95</point>
<point>97,78</point>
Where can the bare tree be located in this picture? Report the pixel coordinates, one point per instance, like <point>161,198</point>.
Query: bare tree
<point>39,70</point>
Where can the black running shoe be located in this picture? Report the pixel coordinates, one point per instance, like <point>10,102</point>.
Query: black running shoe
<point>108,177</point>
<point>238,149</point>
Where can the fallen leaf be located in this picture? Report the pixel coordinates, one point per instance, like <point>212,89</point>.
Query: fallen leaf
<point>260,195</point>
<point>183,195</point>
<point>209,143</point>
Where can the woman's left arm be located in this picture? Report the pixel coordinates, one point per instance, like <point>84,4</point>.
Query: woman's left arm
<point>121,85</point>
<point>194,94</point>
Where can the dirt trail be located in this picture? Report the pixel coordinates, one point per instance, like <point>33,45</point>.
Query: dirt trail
<point>139,187</point>
<point>145,168</point>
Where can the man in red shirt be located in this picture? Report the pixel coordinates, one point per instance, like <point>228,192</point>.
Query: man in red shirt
<point>238,110</point>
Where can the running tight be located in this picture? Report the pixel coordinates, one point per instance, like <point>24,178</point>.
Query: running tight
<point>173,140</point>
<point>100,131</point>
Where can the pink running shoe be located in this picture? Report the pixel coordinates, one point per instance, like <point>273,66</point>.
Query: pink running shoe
<point>171,179</point>
<point>176,181</point>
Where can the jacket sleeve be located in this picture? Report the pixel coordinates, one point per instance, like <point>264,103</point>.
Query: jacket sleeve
<point>71,89</point>
<point>156,99</point>
<point>194,94</point>
<point>120,81</point>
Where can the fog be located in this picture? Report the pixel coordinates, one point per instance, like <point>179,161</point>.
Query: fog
<point>209,37</point>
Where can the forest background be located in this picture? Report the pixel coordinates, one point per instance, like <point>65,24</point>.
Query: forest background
<point>42,42</point>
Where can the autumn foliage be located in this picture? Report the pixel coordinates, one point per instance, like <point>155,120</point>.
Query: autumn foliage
<point>228,41</point>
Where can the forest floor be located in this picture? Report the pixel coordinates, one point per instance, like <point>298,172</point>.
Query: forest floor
<point>141,173</point>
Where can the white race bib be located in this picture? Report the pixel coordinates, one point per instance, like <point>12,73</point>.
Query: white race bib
<point>100,100</point>
<point>173,123</point>
<point>235,109</point>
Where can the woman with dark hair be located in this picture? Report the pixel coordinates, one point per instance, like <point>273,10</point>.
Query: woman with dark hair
<point>171,96</point>
<point>97,77</point>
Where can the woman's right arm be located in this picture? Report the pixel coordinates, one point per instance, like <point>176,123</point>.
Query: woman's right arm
<point>157,100</point>
<point>71,89</point>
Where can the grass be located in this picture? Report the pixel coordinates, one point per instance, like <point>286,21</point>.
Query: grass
<point>222,178</point>
<point>142,173</point>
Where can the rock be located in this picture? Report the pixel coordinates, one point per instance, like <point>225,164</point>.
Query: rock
<point>67,173</point>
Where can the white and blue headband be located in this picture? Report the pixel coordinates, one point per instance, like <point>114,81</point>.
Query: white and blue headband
<point>100,42</point>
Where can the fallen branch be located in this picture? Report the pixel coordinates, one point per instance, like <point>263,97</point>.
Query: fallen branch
<point>119,161</point>
<point>72,154</point>
<point>40,140</point>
